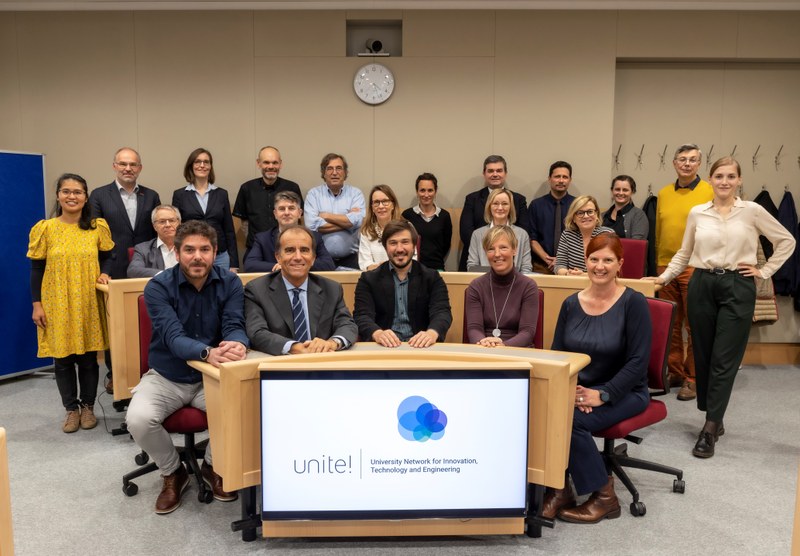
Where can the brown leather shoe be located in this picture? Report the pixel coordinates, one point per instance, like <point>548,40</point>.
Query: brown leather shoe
<point>688,391</point>
<point>72,421</point>
<point>557,499</point>
<point>110,386</point>
<point>170,498</point>
<point>602,504</point>
<point>675,380</point>
<point>214,481</point>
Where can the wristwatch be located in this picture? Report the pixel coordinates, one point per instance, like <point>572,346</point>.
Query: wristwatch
<point>339,343</point>
<point>605,397</point>
<point>205,353</point>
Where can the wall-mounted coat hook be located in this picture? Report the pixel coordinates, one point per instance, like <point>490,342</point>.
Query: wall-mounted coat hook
<point>616,157</point>
<point>708,156</point>
<point>778,159</point>
<point>733,152</point>
<point>639,158</point>
<point>755,158</point>
<point>662,158</point>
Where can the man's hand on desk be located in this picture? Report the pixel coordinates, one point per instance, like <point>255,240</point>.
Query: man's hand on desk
<point>317,345</point>
<point>226,352</point>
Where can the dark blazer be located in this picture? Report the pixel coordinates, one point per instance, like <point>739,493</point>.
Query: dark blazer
<point>472,218</point>
<point>428,302</point>
<point>268,312</point>
<point>261,257</point>
<point>217,215</point>
<point>106,203</point>
<point>147,260</point>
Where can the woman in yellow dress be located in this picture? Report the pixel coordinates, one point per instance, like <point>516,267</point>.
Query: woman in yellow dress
<point>66,252</point>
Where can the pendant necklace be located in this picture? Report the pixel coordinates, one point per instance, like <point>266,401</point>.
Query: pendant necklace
<point>496,331</point>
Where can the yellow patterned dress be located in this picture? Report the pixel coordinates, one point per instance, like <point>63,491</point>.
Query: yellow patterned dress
<point>75,312</point>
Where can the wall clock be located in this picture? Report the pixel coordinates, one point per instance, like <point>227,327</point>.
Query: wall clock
<point>374,83</point>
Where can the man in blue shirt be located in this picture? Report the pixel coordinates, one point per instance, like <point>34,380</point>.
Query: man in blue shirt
<point>197,311</point>
<point>336,211</point>
<point>546,217</point>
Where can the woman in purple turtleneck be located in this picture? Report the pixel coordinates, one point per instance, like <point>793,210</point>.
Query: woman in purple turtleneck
<point>502,305</point>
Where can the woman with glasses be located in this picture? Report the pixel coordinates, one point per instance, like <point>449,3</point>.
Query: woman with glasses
<point>499,211</point>
<point>581,225</point>
<point>69,253</point>
<point>201,199</point>
<point>625,219</point>
<point>381,208</point>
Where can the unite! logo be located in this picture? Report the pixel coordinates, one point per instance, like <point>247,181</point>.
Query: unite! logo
<point>419,420</point>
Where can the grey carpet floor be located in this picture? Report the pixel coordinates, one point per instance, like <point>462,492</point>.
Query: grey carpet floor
<point>67,496</point>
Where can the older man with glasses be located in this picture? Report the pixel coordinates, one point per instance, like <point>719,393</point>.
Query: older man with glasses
<point>674,202</point>
<point>156,255</point>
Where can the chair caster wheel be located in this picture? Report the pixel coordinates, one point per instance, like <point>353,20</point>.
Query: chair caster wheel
<point>205,496</point>
<point>141,458</point>
<point>130,489</point>
<point>678,485</point>
<point>638,509</point>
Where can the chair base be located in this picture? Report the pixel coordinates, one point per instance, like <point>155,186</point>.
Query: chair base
<point>189,453</point>
<point>616,458</point>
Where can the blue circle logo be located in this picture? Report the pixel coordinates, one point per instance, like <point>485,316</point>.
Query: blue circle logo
<point>419,420</point>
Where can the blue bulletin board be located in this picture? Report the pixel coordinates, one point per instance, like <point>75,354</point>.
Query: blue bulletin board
<point>22,188</point>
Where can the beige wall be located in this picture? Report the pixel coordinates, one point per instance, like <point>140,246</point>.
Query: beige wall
<point>535,86</point>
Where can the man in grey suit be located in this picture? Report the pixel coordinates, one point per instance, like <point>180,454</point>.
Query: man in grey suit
<point>291,311</point>
<point>126,206</point>
<point>153,256</point>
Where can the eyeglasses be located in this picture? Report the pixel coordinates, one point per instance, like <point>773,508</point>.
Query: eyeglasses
<point>587,212</point>
<point>127,164</point>
<point>331,169</point>
<point>202,163</point>
<point>684,160</point>
<point>500,205</point>
<point>381,202</point>
<point>165,221</point>
<point>71,192</point>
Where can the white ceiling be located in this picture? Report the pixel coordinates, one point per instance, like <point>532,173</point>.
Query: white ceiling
<point>104,5</point>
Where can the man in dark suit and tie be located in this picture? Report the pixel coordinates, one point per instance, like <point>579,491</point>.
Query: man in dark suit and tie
<point>402,300</point>
<point>291,311</point>
<point>153,256</point>
<point>495,171</point>
<point>126,207</point>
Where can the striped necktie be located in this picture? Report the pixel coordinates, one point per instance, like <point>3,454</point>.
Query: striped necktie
<point>299,316</point>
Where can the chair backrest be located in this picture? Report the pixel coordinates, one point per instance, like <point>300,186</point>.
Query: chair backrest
<point>145,333</point>
<point>635,255</point>
<point>538,337</point>
<point>662,315</point>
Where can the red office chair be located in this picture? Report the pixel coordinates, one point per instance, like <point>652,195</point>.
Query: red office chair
<point>662,313</point>
<point>635,255</point>
<point>130,254</point>
<point>538,337</point>
<point>186,421</point>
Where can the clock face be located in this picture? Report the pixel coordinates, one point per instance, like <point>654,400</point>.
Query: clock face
<point>374,83</point>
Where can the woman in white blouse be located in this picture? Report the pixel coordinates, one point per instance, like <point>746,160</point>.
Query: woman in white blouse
<point>720,242</point>
<point>381,208</point>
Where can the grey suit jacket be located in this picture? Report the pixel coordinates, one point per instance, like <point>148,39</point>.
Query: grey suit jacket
<point>106,203</point>
<point>268,312</point>
<point>147,260</point>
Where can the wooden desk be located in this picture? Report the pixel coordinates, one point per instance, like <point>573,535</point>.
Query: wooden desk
<point>232,405</point>
<point>122,298</point>
<point>6,529</point>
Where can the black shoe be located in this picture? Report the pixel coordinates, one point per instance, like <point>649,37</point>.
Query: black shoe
<point>704,448</point>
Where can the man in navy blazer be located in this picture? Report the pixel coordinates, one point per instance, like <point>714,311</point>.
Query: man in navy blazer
<point>495,171</point>
<point>402,300</point>
<point>126,206</point>
<point>153,256</point>
<point>321,322</point>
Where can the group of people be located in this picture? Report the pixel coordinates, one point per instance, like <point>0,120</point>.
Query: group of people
<point>201,311</point>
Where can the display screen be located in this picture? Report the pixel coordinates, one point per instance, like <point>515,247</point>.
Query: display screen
<point>393,444</point>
